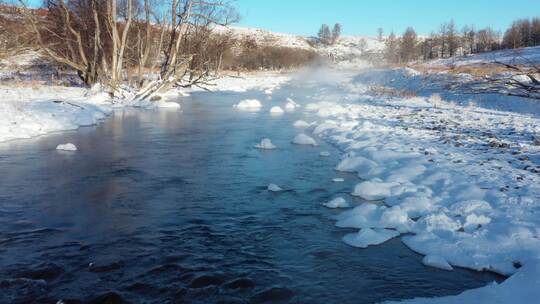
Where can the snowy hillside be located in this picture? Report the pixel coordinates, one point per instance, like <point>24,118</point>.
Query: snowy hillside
<point>348,49</point>
<point>530,55</point>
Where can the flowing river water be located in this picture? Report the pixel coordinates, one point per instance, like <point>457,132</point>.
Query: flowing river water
<point>172,207</point>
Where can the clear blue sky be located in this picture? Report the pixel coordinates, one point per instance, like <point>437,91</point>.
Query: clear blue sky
<point>363,17</point>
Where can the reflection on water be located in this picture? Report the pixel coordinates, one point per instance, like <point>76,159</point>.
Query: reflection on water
<point>172,207</point>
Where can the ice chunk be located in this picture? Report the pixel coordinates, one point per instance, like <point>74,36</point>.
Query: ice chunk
<point>467,207</point>
<point>274,188</point>
<point>291,105</point>
<point>375,190</point>
<point>356,164</point>
<point>338,180</point>
<point>300,124</point>
<point>276,110</point>
<point>438,222</point>
<point>338,202</point>
<point>265,144</point>
<point>473,222</point>
<point>249,104</point>
<point>303,139</point>
<point>67,147</point>
<point>324,154</point>
<point>436,262</point>
<point>368,237</point>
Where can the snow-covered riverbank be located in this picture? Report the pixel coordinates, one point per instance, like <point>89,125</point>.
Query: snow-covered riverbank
<point>29,111</point>
<point>459,182</point>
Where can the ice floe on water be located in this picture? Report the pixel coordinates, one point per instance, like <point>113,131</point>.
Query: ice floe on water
<point>274,188</point>
<point>338,202</point>
<point>66,147</point>
<point>249,105</point>
<point>368,237</point>
<point>265,144</point>
<point>338,180</point>
<point>303,139</point>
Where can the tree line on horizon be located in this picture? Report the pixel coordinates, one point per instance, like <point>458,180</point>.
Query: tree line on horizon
<point>450,42</point>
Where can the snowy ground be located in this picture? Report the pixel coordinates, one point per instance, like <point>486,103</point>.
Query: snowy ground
<point>28,111</point>
<point>526,56</point>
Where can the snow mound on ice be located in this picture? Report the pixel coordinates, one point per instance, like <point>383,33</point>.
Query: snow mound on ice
<point>67,147</point>
<point>291,105</point>
<point>377,190</point>
<point>367,237</point>
<point>265,144</point>
<point>301,124</point>
<point>436,262</point>
<point>356,164</point>
<point>303,139</point>
<point>276,110</point>
<point>249,104</point>
<point>336,203</point>
<point>274,188</point>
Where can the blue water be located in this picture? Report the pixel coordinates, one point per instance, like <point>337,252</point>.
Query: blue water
<point>171,207</point>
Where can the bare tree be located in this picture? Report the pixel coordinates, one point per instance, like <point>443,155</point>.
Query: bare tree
<point>188,16</point>
<point>522,82</point>
<point>325,35</point>
<point>391,53</point>
<point>408,50</point>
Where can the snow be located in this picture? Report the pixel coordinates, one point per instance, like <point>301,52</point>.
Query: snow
<point>276,110</point>
<point>67,147</point>
<point>303,139</point>
<point>522,287</point>
<point>336,203</point>
<point>377,190</point>
<point>249,105</point>
<point>291,105</point>
<point>436,262</point>
<point>274,188</point>
<point>265,144</point>
<point>324,154</point>
<point>454,175</point>
<point>27,112</point>
<point>300,124</point>
<point>368,237</point>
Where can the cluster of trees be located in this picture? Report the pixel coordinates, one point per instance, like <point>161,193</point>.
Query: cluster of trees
<point>523,33</point>
<point>149,44</point>
<point>327,36</point>
<point>447,42</point>
<point>248,54</point>
<point>153,44</point>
